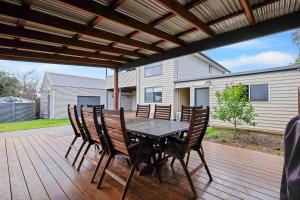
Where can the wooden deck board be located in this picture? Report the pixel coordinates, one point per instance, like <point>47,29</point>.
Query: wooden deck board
<point>34,167</point>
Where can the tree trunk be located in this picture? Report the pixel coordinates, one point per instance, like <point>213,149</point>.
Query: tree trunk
<point>234,131</point>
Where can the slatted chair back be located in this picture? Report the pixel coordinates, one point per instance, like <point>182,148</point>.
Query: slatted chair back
<point>186,113</point>
<point>114,129</point>
<point>74,120</point>
<point>143,111</point>
<point>197,127</point>
<point>91,125</point>
<point>98,109</point>
<point>162,112</point>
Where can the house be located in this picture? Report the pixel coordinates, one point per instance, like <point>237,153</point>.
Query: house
<point>273,92</point>
<point>59,90</point>
<point>154,84</point>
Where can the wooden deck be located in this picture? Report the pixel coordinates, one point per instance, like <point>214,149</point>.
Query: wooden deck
<point>34,167</point>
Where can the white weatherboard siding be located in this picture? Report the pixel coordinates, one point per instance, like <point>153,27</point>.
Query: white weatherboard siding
<point>273,115</point>
<point>126,79</point>
<point>68,95</point>
<point>165,81</point>
<point>45,91</point>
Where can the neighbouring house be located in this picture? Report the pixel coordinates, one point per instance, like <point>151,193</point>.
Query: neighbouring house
<point>154,84</point>
<point>14,109</point>
<point>273,92</point>
<point>59,90</point>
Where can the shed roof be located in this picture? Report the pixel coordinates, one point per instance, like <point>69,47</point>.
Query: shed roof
<point>261,71</point>
<point>131,33</point>
<point>75,81</point>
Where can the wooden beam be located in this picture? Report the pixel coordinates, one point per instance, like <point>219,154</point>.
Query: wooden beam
<point>194,3</point>
<point>46,37</point>
<point>57,57</point>
<point>246,6</point>
<point>38,60</point>
<point>278,24</point>
<point>26,3</point>
<point>110,14</point>
<point>94,22</point>
<point>50,20</point>
<point>116,88</point>
<point>116,3</point>
<point>59,50</point>
<point>179,9</point>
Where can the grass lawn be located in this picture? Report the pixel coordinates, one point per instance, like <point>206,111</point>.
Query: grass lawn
<point>32,124</point>
<point>251,140</point>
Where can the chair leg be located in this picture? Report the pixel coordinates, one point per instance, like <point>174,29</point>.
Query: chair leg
<point>188,158</point>
<point>84,154</point>
<point>172,162</point>
<point>70,147</point>
<point>78,153</point>
<point>157,170</point>
<point>201,148</point>
<point>188,177</point>
<point>98,165</point>
<point>103,172</point>
<point>128,182</point>
<point>205,165</point>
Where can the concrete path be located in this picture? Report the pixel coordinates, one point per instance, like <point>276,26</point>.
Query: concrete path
<point>51,131</point>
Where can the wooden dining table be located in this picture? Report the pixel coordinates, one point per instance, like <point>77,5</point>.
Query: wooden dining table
<point>156,130</point>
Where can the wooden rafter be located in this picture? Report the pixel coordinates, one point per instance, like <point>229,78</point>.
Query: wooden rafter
<point>248,11</point>
<point>194,3</point>
<point>46,37</point>
<point>49,20</point>
<point>26,3</point>
<point>59,50</point>
<point>177,8</point>
<point>56,57</point>
<point>186,32</point>
<point>163,18</point>
<point>110,14</point>
<point>116,3</point>
<point>94,22</point>
<point>260,5</point>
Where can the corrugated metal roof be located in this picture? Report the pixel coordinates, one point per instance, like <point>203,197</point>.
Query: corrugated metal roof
<point>75,81</point>
<point>269,70</point>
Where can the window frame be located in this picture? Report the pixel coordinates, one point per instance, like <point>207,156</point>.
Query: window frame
<point>145,100</point>
<point>153,66</point>
<point>259,101</point>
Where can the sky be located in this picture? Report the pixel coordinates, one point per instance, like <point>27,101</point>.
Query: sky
<point>271,51</point>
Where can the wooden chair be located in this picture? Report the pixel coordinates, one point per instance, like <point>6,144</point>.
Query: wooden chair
<point>98,109</point>
<point>94,136</point>
<point>178,148</point>
<point>119,144</point>
<point>78,131</point>
<point>143,111</point>
<point>162,112</point>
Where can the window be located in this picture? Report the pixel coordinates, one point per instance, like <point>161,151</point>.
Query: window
<point>210,70</point>
<point>153,70</point>
<point>259,92</point>
<point>153,95</point>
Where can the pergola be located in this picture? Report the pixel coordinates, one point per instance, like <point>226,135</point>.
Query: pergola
<point>123,34</point>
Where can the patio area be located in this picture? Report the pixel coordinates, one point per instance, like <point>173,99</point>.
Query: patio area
<point>34,167</point>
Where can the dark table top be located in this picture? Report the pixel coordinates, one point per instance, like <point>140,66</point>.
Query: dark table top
<point>155,128</point>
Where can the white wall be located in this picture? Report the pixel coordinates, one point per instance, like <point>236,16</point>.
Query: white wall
<point>68,95</point>
<point>126,79</point>
<point>273,115</point>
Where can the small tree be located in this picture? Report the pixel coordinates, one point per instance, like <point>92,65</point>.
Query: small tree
<point>233,106</point>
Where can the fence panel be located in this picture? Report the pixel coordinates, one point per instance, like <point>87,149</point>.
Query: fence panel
<point>6,112</point>
<point>10,112</point>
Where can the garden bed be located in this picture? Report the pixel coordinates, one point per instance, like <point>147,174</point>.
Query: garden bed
<point>255,141</point>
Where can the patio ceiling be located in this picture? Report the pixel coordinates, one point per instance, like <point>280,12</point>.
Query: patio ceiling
<point>130,33</point>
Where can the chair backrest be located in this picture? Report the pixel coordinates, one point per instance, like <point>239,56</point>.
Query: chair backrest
<point>143,111</point>
<point>74,120</point>
<point>98,109</point>
<point>114,129</point>
<point>186,113</point>
<point>198,125</point>
<point>162,112</point>
<point>90,124</point>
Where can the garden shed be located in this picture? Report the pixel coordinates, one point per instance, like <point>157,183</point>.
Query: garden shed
<point>16,109</point>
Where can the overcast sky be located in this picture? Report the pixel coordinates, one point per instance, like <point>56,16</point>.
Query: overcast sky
<point>265,52</point>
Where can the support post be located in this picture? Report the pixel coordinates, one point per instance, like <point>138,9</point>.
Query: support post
<point>116,89</point>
